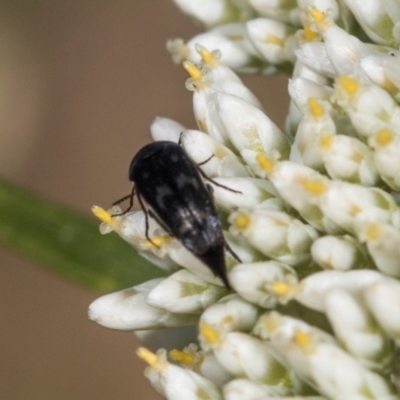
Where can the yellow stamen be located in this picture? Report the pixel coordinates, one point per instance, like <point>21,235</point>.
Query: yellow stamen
<point>315,107</point>
<point>351,86</point>
<point>355,210</point>
<point>372,232</point>
<point>302,339</point>
<point>276,40</point>
<point>227,320</point>
<point>182,357</point>
<point>101,214</point>
<point>384,137</point>
<point>265,163</point>
<point>326,141</point>
<point>208,57</point>
<point>242,222</point>
<point>309,34</point>
<point>209,334</point>
<point>147,356</point>
<point>317,15</point>
<point>193,71</point>
<point>280,288</point>
<point>271,323</point>
<point>317,188</point>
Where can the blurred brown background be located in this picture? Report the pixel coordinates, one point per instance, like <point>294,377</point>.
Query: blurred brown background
<point>80,83</point>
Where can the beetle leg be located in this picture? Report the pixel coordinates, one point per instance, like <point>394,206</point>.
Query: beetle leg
<point>216,183</point>
<point>146,220</point>
<point>130,196</point>
<point>229,248</point>
<point>206,161</point>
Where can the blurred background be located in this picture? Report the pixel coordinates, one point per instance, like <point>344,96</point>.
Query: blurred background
<point>80,83</point>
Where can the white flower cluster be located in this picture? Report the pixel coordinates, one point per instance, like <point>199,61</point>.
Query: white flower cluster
<point>315,308</point>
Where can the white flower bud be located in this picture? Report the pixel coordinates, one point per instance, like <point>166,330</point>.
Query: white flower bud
<point>274,40</point>
<point>386,143</point>
<point>223,162</point>
<point>215,12</point>
<point>383,244</point>
<point>132,228</point>
<point>348,159</point>
<point>224,77</point>
<point>347,205</point>
<point>343,50</point>
<point>249,128</point>
<point>205,364</point>
<point>244,355</point>
<point>250,193</point>
<point>280,10</point>
<point>303,71</point>
<point>276,235</point>
<point>374,19</point>
<point>383,300</point>
<point>299,186</point>
<point>239,389</point>
<point>391,65</point>
<point>231,40</point>
<point>183,292</point>
<point>314,56</point>
<point>232,313</point>
<point>369,107</point>
<point>340,253</point>
<point>264,283</point>
<point>301,90</point>
<point>176,383</point>
<point>166,129</point>
<point>127,310</point>
<point>374,65</point>
<point>313,289</point>
<point>317,359</point>
<point>357,331</point>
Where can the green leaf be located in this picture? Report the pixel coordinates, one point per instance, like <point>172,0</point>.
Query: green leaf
<point>68,243</point>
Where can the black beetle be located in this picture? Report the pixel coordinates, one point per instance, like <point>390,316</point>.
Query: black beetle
<point>170,183</point>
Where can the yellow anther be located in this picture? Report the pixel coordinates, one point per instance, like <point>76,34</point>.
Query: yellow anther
<point>372,232</point>
<point>265,163</point>
<point>315,107</point>
<point>384,137</point>
<point>271,324</point>
<point>280,288</point>
<point>193,71</point>
<point>355,210</point>
<point>207,57</point>
<point>315,187</point>
<point>351,86</point>
<point>309,34</point>
<point>102,215</point>
<point>317,15</point>
<point>209,334</point>
<point>182,357</point>
<point>242,222</point>
<point>147,356</point>
<point>220,152</point>
<point>326,141</point>
<point>276,40</point>
<point>302,339</point>
<point>227,320</point>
